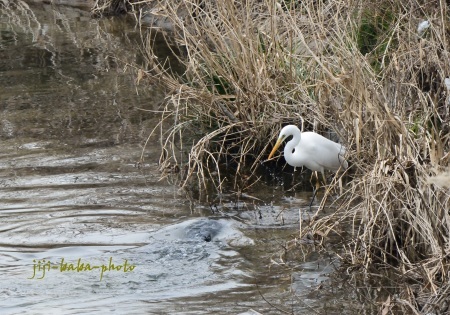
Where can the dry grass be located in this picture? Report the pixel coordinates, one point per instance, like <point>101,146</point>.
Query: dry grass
<point>359,68</point>
<point>246,74</point>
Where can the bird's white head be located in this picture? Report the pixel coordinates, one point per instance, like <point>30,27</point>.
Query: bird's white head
<point>289,130</point>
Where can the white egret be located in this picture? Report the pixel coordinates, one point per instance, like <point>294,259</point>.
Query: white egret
<point>311,150</point>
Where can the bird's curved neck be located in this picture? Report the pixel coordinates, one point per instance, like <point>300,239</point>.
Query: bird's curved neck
<point>289,148</point>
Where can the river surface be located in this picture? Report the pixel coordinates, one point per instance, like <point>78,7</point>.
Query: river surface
<point>84,230</point>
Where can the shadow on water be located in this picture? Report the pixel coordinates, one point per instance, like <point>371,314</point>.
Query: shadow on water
<point>83,230</point>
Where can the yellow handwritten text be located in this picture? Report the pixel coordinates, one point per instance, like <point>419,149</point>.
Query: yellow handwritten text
<point>42,267</point>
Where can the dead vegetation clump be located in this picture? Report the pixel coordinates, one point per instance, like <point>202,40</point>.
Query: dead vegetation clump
<point>374,72</point>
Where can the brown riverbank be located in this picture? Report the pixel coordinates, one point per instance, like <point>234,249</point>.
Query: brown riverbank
<point>83,4</point>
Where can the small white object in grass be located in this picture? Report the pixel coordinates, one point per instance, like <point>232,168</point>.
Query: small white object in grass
<point>423,26</point>
<point>447,83</point>
<point>441,180</point>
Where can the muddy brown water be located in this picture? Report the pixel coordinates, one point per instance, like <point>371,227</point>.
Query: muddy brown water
<point>83,230</point>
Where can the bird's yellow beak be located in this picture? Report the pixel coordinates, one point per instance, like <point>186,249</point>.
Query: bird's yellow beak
<point>275,148</point>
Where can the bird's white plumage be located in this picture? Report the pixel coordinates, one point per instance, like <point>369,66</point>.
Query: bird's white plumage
<point>311,150</point>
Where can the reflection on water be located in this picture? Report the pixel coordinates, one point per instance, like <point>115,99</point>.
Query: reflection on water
<point>64,77</point>
<point>73,202</point>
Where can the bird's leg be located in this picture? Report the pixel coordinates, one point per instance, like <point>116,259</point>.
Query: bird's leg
<point>311,178</point>
<point>312,199</point>
<point>315,188</point>
<point>324,178</point>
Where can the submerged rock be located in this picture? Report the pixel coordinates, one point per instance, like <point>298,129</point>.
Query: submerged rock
<point>205,230</point>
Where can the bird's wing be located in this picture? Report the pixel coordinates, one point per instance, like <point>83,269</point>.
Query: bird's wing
<point>322,151</point>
